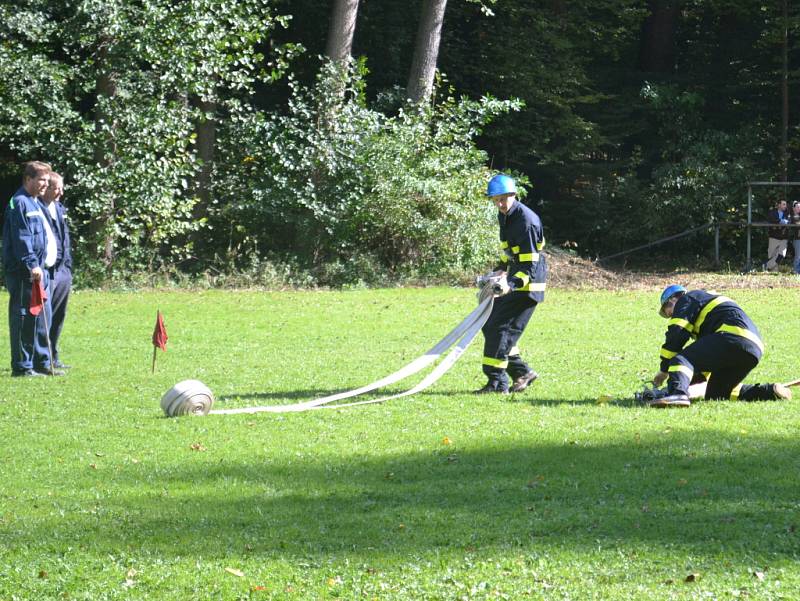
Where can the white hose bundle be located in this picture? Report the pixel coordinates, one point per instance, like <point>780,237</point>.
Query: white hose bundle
<point>186,398</point>
<point>189,397</point>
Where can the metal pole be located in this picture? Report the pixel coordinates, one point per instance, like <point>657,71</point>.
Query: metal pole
<point>748,262</point>
<point>716,245</point>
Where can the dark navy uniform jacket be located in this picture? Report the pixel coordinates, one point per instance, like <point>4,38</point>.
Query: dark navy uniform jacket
<point>521,242</point>
<point>60,229</point>
<point>24,236</point>
<point>699,313</point>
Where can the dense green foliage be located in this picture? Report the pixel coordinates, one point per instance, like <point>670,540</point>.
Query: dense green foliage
<point>548,495</point>
<point>207,134</point>
<point>396,193</point>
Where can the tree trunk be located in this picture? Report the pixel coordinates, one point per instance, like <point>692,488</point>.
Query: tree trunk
<point>426,50</point>
<point>341,30</point>
<point>785,94</point>
<point>104,150</point>
<point>206,129</point>
<point>657,47</point>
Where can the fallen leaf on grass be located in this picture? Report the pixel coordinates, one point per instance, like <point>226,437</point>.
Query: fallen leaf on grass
<point>196,446</point>
<point>258,588</point>
<point>604,398</point>
<point>235,572</point>
<point>446,441</point>
<point>759,575</point>
<point>692,577</point>
<point>42,574</point>
<point>93,466</point>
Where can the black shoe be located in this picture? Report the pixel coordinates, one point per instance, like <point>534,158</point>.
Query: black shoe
<point>673,400</point>
<point>24,373</point>
<point>523,382</point>
<point>58,365</point>
<point>43,371</point>
<point>489,389</point>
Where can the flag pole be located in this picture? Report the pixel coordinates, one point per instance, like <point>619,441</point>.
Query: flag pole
<point>159,338</point>
<point>47,333</point>
<point>155,348</point>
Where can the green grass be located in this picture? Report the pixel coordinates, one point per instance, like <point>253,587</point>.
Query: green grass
<point>548,495</point>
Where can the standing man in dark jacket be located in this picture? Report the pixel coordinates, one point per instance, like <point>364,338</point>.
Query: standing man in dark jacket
<point>794,219</point>
<point>727,346</point>
<point>61,272</point>
<point>28,253</point>
<point>522,289</point>
<point>778,236</point>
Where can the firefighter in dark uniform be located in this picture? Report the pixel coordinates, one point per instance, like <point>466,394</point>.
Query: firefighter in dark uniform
<point>525,270</point>
<point>727,346</point>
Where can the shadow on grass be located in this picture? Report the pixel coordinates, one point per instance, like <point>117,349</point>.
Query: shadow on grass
<point>702,491</point>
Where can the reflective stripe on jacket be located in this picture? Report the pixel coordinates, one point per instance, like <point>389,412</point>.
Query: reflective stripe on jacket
<point>521,245</point>
<point>699,313</point>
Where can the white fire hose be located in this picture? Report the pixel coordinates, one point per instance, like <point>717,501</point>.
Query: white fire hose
<point>194,398</point>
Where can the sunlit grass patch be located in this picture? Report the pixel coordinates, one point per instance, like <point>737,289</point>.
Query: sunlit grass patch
<point>545,495</point>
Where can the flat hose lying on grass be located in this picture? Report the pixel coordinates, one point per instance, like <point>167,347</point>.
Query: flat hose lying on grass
<point>193,397</point>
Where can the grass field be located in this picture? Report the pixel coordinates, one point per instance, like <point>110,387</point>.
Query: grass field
<point>546,495</point>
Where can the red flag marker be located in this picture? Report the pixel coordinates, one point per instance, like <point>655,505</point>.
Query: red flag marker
<point>38,296</point>
<point>159,337</point>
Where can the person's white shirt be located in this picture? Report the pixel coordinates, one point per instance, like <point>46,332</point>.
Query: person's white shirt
<point>52,248</point>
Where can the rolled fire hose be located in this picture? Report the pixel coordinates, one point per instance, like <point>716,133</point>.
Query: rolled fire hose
<point>193,397</point>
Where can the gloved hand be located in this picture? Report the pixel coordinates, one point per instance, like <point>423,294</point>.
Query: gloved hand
<point>487,278</point>
<point>659,378</point>
<point>501,287</point>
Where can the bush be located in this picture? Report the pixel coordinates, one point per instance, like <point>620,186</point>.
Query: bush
<point>333,181</point>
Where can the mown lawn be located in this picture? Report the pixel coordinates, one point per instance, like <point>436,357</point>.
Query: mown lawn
<point>547,495</point>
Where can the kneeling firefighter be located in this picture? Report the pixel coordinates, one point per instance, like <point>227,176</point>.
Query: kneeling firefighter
<point>522,273</point>
<point>727,347</point>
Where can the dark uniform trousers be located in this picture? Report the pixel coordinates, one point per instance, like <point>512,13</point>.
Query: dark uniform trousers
<point>728,363</point>
<point>60,285</point>
<point>27,332</point>
<point>510,314</point>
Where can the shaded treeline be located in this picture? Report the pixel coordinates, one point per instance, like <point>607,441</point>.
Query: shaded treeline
<point>210,135</point>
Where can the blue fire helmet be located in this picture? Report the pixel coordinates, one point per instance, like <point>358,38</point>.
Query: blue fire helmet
<point>501,184</point>
<point>668,293</point>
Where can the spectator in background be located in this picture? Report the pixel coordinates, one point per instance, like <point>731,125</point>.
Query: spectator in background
<point>778,236</point>
<point>28,253</point>
<point>61,272</point>
<point>794,219</point>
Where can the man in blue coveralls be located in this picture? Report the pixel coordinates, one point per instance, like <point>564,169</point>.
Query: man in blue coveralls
<point>727,346</point>
<point>523,264</point>
<point>28,252</point>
